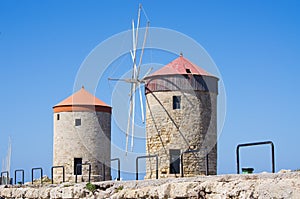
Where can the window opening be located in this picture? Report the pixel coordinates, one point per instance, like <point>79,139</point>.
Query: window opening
<point>77,122</point>
<point>176,102</point>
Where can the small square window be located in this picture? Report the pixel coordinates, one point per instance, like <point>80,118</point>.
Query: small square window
<point>188,70</point>
<point>77,122</point>
<point>57,117</point>
<point>176,102</point>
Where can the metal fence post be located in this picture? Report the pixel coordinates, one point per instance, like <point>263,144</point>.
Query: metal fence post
<point>54,167</point>
<point>33,169</point>
<point>90,170</point>
<point>7,177</point>
<point>255,144</point>
<point>194,151</point>
<point>119,167</point>
<point>142,157</point>
<point>19,170</point>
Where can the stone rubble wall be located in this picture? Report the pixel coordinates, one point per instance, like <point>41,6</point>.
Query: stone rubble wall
<point>192,126</point>
<point>262,186</point>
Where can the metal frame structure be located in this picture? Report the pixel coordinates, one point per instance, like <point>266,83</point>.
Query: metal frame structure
<point>54,167</point>
<point>7,177</point>
<point>193,151</point>
<point>90,169</point>
<point>143,157</point>
<point>19,170</point>
<point>254,144</point>
<point>38,168</point>
<point>103,171</point>
<point>119,169</point>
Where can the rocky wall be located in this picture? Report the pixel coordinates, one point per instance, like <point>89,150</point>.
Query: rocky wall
<point>262,186</point>
<point>193,126</point>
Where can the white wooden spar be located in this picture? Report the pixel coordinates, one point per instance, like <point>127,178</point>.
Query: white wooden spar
<point>135,81</point>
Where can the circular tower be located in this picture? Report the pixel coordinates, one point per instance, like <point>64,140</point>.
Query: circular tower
<point>181,120</point>
<point>82,134</point>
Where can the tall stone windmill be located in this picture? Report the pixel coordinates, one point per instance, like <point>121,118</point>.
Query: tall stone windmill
<point>181,115</point>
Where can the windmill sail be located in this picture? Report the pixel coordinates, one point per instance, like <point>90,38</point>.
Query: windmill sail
<point>135,79</point>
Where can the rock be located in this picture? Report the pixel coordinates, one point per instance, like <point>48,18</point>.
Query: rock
<point>280,185</point>
<point>285,171</point>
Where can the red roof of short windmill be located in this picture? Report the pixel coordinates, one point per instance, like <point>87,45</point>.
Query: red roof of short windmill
<point>81,98</point>
<point>180,66</point>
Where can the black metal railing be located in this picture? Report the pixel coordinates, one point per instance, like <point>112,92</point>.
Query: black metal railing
<point>143,157</point>
<point>41,172</point>
<point>119,167</point>
<point>7,181</point>
<point>255,144</point>
<point>80,165</point>
<point>194,151</point>
<point>22,172</point>
<point>103,171</point>
<point>56,167</point>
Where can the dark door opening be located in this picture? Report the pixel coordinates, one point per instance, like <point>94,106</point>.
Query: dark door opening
<point>79,168</point>
<point>174,161</point>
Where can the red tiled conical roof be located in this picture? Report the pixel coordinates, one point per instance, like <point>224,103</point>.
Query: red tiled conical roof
<point>82,100</point>
<point>180,66</point>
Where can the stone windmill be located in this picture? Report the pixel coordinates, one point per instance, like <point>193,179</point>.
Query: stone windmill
<point>82,134</point>
<point>181,116</point>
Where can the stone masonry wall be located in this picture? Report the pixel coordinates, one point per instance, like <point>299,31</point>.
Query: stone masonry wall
<point>253,186</point>
<point>89,141</point>
<point>192,126</point>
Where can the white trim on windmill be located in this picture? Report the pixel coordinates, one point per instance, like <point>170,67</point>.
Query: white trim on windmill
<point>135,80</point>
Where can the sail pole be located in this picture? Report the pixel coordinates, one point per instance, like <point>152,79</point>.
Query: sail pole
<point>135,80</point>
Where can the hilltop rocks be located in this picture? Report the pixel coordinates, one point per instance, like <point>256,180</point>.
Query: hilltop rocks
<point>266,185</point>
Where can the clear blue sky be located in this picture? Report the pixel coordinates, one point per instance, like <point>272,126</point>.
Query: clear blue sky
<point>255,44</point>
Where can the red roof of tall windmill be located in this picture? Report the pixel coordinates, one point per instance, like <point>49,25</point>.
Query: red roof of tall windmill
<point>180,66</point>
<point>82,100</point>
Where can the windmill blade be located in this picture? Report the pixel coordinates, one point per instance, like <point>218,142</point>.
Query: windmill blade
<point>148,72</point>
<point>133,115</point>
<point>143,48</point>
<point>134,64</point>
<point>133,53</point>
<point>142,107</point>
<point>135,40</point>
<point>138,26</point>
<point>122,80</point>
<point>129,117</point>
<point>139,69</point>
<point>133,77</point>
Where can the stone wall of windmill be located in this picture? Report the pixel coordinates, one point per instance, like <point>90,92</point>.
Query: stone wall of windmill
<point>181,114</point>
<point>82,134</point>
